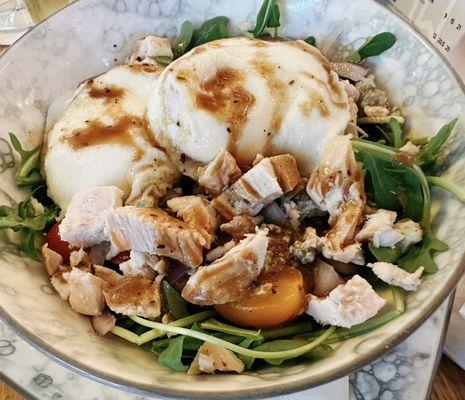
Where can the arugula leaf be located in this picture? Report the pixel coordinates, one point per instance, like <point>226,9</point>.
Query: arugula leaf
<point>394,185</point>
<point>247,360</point>
<point>29,218</point>
<point>422,254</point>
<point>310,40</point>
<point>268,17</point>
<point>429,153</point>
<point>397,136</point>
<point>184,39</point>
<point>212,29</point>
<point>290,344</point>
<point>171,357</point>
<point>28,173</point>
<point>449,186</point>
<point>373,47</point>
<point>385,254</point>
<point>177,306</point>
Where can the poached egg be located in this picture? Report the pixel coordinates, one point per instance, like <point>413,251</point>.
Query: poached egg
<point>103,139</point>
<point>249,96</point>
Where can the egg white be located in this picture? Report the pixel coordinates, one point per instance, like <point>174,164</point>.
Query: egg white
<point>298,101</point>
<point>69,170</point>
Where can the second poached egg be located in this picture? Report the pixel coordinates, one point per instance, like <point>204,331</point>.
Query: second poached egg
<point>249,96</point>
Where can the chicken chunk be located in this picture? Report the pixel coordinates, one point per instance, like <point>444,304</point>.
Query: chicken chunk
<point>60,283</point>
<point>145,50</point>
<point>153,231</point>
<point>346,305</point>
<point>135,295</point>
<point>108,275</point>
<point>379,229</point>
<point>142,264</point>
<point>52,259</point>
<point>227,278</point>
<point>411,231</point>
<point>259,186</point>
<point>197,213</point>
<point>306,249</point>
<point>337,187</point>
<point>325,278</point>
<point>85,296</point>
<point>396,276</point>
<point>83,225</point>
<point>211,357</point>
<point>219,173</point>
<point>240,225</point>
<point>79,259</point>
<point>219,251</point>
<point>103,324</point>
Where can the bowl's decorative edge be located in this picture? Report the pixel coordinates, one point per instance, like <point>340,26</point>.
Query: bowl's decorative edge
<point>274,390</point>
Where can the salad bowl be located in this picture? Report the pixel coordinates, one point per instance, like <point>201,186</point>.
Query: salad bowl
<point>90,36</point>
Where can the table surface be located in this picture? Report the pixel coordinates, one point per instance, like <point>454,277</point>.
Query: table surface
<point>449,384</point>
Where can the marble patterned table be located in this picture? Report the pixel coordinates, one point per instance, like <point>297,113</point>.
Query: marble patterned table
<point>404,374</point>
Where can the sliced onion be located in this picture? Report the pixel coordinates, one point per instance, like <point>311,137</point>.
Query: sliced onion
<point>102,324</point>
<point>354,72</point>
<point>343,268</point>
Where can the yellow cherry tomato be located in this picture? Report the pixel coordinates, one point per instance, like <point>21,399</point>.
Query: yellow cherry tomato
<point>278,298</point>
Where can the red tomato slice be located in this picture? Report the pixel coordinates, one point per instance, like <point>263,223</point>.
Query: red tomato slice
<point>55,243</point>
<point>121,257</point>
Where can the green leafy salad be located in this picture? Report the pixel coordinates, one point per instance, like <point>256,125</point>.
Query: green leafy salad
<point>249,279</point>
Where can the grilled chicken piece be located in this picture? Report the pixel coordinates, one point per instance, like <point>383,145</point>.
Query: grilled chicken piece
<point>79,259</point>
<point>411,231</point>
<point>85,295</point>
<point>381,229</point>
<point>227,278</point>
<point>211,358</point>
<point>142,264</point>
<point>346,305</point>
<point>110,277</point>
<point>52,259</point>
<point>393,275</point>
<point>83,225</point>
<point>337,187</point>
<point>287,172</point>
<point>59,282</point>
<point>219,173</point>
<point>266,181</point>
<point>197,213</point>
<point>153,231</point>
<point>240,225</point>
<point>219,251</point>
<point>144,50</point>
<point>135,296</point>
<point>103,324</point>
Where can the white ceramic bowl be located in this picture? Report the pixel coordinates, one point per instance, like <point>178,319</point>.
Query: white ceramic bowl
<point>89,37</point>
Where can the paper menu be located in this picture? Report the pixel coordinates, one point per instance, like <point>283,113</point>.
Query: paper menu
<point>441,21</point>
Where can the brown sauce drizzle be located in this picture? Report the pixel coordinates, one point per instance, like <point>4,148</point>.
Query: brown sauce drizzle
<point>224,97</point>
<point>315,102</point>
<point>96,133</point>
<point>108,93</point>
<point>405,158</point>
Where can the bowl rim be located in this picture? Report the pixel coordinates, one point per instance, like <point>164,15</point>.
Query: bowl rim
<point>276,389</point>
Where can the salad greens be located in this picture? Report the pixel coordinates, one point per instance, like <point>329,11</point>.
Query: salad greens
<point>394,180</point>
<point>372,47</point>
<point>29,217</point>
<point>268,17</point>
<point>28,173</point>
